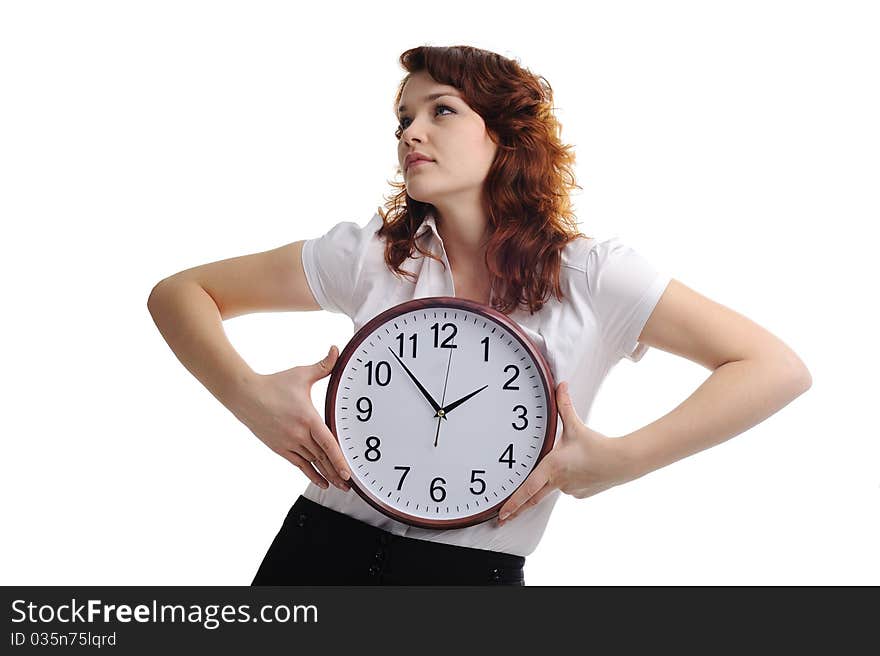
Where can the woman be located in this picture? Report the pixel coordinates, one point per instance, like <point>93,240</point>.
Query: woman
<point>485,215</point>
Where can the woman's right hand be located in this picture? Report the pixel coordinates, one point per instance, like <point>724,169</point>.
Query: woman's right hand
<point>282,415</point>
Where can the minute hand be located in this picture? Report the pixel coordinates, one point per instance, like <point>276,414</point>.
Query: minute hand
<point>424,392</point>
<point>455,404</point>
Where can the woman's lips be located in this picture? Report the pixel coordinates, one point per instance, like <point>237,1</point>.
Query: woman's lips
<point>417,162</point>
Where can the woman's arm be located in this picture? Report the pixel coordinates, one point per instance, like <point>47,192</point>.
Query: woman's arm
<point>754,375</point>
<point>189,320</point>
<point>735,397</point>
<point>189,309</point>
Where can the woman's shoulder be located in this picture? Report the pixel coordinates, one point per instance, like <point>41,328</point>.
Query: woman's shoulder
<point>574,255</point>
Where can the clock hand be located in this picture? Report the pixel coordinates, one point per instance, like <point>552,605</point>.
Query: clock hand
<point>455,404</point>
<point>440,413</point>
<point>424,392</point>
<point>437,434</point>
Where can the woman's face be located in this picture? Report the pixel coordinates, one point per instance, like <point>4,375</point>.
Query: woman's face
<point>450,133</point>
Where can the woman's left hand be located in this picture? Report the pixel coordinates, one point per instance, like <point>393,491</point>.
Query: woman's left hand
<point>582,463</point>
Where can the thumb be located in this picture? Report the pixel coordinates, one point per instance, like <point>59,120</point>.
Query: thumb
<point>565,405</point>
<point>325,366</point>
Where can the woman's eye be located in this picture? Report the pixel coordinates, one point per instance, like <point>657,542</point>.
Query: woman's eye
<point>403,121</point>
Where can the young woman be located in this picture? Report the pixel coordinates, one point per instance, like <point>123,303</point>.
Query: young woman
<point>483,213</point>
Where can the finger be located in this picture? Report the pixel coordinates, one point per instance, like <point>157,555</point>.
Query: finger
<point>322,435</point>
<point>305,466</point>
<point>565,405</point>
<point>534,500</point>
<point>527,494</point>
<point>330,475</point>
<point>306,453</point>
<point>312,453</point>
<point>322,462</point>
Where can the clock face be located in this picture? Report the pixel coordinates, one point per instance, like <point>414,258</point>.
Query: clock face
<point>442,408</point>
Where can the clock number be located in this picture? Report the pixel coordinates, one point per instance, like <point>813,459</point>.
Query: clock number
<point>406,471</point>
<point>400,343</point>
<point>522,416</point>
<point>378,372</point>
<point>368,410</point>
<point>509,460</point>
<point>507,385</point>
<point>434,487</point>
<point>485,343</point>
<point>372,449</point>
<point>474,479</point>
<point>436,329</point>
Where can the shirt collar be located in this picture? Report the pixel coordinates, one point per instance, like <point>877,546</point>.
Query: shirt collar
<point>428,223</point>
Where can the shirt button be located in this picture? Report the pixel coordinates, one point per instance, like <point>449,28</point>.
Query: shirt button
<point>379,555</point>
<point>495,574</point>
<point>302,520</point>
<point>374,569</point>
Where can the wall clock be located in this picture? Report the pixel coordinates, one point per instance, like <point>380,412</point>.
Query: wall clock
<point>442,407</point>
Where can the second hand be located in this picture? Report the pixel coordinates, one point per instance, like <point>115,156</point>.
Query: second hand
<point>443,401</point>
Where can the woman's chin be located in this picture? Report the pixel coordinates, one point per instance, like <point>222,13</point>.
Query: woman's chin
<point>419,194</point>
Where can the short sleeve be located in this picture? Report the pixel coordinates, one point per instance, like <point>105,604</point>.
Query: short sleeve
<point>333,261</point>
<point>624,288</point>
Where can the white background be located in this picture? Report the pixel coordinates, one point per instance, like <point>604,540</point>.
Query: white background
<point>734,144</point>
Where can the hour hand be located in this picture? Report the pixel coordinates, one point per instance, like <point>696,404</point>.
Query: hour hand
<point>455,404</point>
<point>424,392</point>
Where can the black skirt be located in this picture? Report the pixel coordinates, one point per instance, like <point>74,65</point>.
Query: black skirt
<point>319,546</point>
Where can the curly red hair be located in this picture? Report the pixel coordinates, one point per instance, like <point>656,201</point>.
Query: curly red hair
<point>526,191</point>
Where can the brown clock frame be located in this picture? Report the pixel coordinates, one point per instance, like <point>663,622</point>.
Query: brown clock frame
<point>431,302</point>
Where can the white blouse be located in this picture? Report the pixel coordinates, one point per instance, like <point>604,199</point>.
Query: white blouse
<point>610,291</point>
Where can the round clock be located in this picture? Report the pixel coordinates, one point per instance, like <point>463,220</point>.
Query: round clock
<point>442,407</point>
